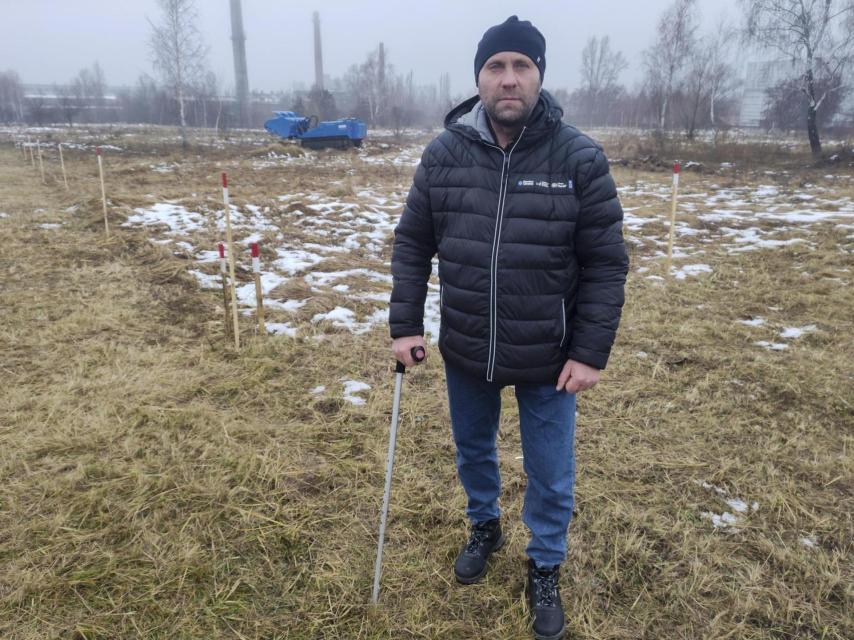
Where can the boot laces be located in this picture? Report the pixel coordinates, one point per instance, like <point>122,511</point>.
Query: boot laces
<point>545,581</point>
<point>477,538</point>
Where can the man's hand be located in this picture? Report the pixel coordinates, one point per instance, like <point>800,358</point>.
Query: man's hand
<point>577,376</point>
<point>402,348</point>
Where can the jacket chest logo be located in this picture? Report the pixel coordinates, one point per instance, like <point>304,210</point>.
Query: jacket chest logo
<point>543,186</point>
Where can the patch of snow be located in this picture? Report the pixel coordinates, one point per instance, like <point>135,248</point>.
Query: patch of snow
<point>207,281</point>
<point>797,332</point>
<point>691,270</point>
<point>754,322</point>
<point>177,218</point>
<point>808,542</point>
<point>351,388</point>
<point>246,293</point>
<point>774,346</point>
<point>288,305</point>
<point>281,328</point>
<point>720,521</point>
<point>292,261</point>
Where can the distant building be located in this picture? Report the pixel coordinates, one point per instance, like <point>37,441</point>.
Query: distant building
<point>759,77</point>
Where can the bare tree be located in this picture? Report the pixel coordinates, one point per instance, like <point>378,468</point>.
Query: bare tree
<point>69,103</point>
<point>600,72</point>
<point>87,89</point>
<point>665,59</point>
<point>11,97</point>
<point>710,78</point>
<point>817,35</point>
<point>37,108</point>
<point>178,52</point>
<point>368,83</point>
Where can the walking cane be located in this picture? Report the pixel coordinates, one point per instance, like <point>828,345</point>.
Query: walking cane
<point>417,355</point>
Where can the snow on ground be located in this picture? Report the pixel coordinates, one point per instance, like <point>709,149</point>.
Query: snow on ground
<point>797,332</point>
<point>691,270</point>
<point>335,247</point>
<point>179,219</point>
<point>773,346</point>
<point>727,520</point>
<point>351,388</point>
<point>281,328</point>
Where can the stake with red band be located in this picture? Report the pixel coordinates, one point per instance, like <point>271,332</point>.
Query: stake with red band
<point>235,324</point>
<point>676,170</point>
<point>259,293</point>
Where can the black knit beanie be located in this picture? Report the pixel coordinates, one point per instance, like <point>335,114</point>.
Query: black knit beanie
<point>512,35</point>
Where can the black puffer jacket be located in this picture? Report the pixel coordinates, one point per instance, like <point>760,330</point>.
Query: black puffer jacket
<point>532,261</point>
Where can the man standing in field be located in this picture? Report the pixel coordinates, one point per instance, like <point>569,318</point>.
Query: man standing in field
<point>524,216</point>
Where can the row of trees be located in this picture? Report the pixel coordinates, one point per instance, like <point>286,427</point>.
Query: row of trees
<point>690,80</point>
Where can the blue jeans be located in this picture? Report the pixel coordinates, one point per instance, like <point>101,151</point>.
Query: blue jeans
<point>547,425</point>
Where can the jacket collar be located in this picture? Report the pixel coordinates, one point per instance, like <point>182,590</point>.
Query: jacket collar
<point>470,120</point>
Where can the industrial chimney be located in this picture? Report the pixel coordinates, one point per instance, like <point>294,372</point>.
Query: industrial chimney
<point>318,54</point>
<point>241,76</point>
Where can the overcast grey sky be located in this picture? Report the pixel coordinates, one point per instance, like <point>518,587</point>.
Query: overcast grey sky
<point>49,41</point>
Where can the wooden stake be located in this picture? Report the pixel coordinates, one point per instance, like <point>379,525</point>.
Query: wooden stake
<point>62,164</point>
<point>32,157</point>
<point>259,293</point>
<point>235,324</point>
<point>23,150</point>
<point>223,269</point>
<point>103,191</point>
<point>676,169</point>
<point>41,164</point>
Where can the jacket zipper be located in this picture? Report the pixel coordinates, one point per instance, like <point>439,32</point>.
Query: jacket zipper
<point>493,264</point>
<point>563,319</point>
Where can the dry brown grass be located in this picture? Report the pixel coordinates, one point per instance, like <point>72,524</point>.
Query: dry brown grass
<point>159,485</point>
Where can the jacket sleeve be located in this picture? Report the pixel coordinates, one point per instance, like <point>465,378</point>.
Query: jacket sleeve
<point>602,264</point>
<point>412,254</point>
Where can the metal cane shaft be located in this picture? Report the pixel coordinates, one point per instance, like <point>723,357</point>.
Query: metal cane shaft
<point>389,465</point>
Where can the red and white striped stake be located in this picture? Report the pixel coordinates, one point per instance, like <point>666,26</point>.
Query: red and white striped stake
<point>235,325</point>
<point>223,269</point>
<point>676,170</point>
<point>103,190</point>
<point>62,164</point>
<point>41,163</point>
<point>259,294</point>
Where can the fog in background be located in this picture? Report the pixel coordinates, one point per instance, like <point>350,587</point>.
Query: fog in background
<point>49,41</point>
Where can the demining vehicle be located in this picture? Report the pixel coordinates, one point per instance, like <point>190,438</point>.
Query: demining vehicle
<point>335,134</point>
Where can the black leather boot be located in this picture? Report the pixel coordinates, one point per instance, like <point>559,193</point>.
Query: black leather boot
<point>485,537</point>
<point>544,602</point>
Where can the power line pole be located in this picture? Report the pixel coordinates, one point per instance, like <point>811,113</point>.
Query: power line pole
<point>241,75</point>
<point>318,54</point>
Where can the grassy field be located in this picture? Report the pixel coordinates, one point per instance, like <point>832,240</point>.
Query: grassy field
<point>160,484</point>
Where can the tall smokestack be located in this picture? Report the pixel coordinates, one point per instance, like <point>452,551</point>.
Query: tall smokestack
<point>381,65</point>
<point>241,76</point>
<point>318,54</point>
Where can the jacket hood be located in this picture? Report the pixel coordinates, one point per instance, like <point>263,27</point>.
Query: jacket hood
<point>469,119</point>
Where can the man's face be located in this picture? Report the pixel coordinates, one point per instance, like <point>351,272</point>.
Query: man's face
<point>509,85</point>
